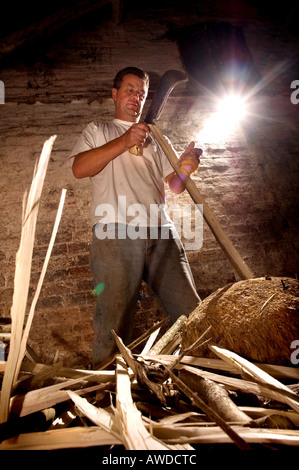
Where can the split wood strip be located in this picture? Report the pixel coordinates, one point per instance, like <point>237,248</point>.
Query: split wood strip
<point>127,408</point>
<point>66,372</point>
<point>281,391</point>
<point>178,417</point>
<point>22,275</point>
<point>39,285</point>
<point>147,333</point>
<point>174,345</point>
<point>168,336</point>
<point>136,342</point>
<point>198,434</point>
<point>111,423</point>
<point>98,416</point>
<point>36,400</point>
<point>283,372</point>
<point>100,376</point>
<point>150,342</point>
<point>230,383</point>
<point>129,420</point>
<point>256,412</point>
<point>38,380</point>
<point>70,438</point>
<point>197,344</point>
<point>138,370</point>
<point>232,254</point>
<point>82,437</point>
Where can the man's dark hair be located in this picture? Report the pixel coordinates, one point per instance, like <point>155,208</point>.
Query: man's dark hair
<point>135,71</point>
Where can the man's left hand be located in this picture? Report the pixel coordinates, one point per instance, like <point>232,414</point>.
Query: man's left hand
<point>189,160</point>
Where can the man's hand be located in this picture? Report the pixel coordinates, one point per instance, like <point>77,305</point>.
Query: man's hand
<point>136,135</point>
<point>188,163</point>
<point>189,160</point>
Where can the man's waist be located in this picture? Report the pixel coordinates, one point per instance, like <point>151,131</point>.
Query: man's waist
<point>122,212</point>
<point>132,231</point>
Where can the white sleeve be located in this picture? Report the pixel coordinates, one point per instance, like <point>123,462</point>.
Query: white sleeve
<point>87,139</point>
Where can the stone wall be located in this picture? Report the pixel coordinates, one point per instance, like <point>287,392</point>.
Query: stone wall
<point>249,177</point>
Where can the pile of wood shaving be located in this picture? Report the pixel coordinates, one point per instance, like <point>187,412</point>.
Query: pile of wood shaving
<point>154,401</point>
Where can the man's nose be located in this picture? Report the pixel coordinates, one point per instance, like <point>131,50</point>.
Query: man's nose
<point>136,95</point>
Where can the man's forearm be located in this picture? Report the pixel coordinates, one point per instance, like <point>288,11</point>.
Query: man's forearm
<point>91,162</point>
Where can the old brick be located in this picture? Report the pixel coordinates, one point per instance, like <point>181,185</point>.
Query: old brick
<point>249,178</point>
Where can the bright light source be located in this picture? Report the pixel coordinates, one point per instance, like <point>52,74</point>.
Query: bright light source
<point>232,108</point>
<point>229,112</point>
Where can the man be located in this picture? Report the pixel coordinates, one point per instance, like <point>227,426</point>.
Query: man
<point>120,257</point>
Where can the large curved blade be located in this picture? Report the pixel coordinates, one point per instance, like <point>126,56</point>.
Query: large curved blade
<point>169,80</point>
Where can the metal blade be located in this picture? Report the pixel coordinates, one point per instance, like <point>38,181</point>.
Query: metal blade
<point>169,80</point>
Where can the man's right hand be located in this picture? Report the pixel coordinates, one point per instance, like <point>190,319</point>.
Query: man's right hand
<point>136,135</point>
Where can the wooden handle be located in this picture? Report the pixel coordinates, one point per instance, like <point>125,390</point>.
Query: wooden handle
<point>136,150</point>
<point>232,254</point>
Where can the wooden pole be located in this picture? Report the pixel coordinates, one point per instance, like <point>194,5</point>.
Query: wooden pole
<point>232,254</point>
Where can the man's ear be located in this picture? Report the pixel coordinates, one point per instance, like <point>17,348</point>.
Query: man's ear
<point>114,93</point>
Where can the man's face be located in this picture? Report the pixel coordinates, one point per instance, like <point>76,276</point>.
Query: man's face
<point>130,98</point>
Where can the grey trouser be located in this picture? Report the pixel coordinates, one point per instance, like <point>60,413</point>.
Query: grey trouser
<point>120,265</point>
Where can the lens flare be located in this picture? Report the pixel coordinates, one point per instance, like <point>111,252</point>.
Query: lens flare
<point>228,113</point>
<point>232,108</point>
<point>98,289</point>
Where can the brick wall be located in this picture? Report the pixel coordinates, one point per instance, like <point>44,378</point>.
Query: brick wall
<point>249,178</point>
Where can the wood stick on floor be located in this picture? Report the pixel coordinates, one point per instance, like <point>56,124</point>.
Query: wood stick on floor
<point>216,397</point>
<point>214,416</point>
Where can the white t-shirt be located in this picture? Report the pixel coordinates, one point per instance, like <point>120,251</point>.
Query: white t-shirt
<point>129,186</point>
